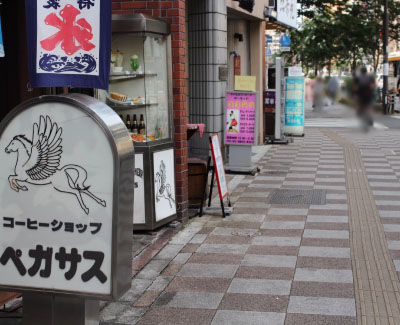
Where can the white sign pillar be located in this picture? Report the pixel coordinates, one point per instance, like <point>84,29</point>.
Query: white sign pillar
<point>66,184</point>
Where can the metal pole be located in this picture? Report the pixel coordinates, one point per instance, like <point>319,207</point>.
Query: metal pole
<point>385,56</point>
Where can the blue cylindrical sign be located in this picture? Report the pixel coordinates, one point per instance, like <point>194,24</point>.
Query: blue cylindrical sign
<point>285,40</point>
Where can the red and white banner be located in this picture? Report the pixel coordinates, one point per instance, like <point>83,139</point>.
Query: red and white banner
<point>69,42</point>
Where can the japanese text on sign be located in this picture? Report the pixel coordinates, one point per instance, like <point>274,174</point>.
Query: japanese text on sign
<point>294,101</point>
<point>64,43</point>
<point>55,231</point>
<point>39,255</point>
<point>68,37</point>
<point>240,118</point>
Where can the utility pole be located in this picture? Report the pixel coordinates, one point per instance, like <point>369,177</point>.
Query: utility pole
<point>385,56</point>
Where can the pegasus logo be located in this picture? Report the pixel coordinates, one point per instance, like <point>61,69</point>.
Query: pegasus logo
<point>38,162</point>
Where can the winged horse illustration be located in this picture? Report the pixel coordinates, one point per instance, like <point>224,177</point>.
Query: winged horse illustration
<point>163,188</point>
<point>38,162</point>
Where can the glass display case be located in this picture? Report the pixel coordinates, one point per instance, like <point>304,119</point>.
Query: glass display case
<point>140,92</point>
<point>139,82</point>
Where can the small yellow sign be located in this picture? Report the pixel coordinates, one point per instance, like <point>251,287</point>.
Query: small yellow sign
<point>247,83</point>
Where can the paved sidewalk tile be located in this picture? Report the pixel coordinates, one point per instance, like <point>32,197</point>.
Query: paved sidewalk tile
<point>263,272</point>
<point>322,306</point>
<point>194,284</point>
<point>338,234</point>
<point>200,258</point>
<point>222,248</point>
<point>208,270</point>
<point>200,300</point>
<point>276,241</point>
<point>254,302</point>
<point>296,319</point>
<point>269,260</point>
<point>177,316</point>
<point>322,289</point>
<point>257,286</point>
<point>322,275</point>
<point>224,317</point>
<point>323,262</point>
<point>338,252</point>
<point>282,225</point>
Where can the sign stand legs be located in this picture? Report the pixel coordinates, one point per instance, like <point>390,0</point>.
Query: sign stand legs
<point>225,211</point>
<point>51,309</point>
<point>211,187</point>
<point>203,198</point>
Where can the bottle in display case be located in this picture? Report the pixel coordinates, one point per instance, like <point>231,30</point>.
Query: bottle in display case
<point>142,126</point>
<point>135,129</point>
<point>128,123</point>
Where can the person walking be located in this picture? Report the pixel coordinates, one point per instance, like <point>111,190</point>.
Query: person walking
<point>364,88</point>
<point>333,86</point>
<point>318,94</point>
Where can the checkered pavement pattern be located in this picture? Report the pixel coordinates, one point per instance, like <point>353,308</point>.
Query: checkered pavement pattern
<point>273,263</point>
<point>381,157</point>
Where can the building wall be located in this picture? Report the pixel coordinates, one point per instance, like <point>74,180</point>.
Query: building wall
<point>257,59</point>
<point>212,25</point>
<point>251,51</point>
<point>207,55</point>
<point>241,48</point>
<point>258,9</point>
<point>174,13</point>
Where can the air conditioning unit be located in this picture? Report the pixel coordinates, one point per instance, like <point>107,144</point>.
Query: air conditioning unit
<point>270,4</point>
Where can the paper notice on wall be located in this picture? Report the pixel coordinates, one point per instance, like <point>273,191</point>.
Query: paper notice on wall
<point>246,83</point>
<point>386,69</point>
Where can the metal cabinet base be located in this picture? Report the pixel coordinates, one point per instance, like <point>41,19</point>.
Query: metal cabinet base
<point>155,203</point>
<point>45,309</point>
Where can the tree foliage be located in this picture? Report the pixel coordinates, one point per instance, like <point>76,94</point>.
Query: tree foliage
<point>341,32</point>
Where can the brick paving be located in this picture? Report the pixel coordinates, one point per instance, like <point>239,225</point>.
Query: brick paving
<point>336,263</point>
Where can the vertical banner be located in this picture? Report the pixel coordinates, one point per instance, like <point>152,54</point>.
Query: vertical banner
<point>269,101</point>
<point>294,105</point>
<point>240,117</point>
<point>238,66</point>
<point>2,54</point>
<point>69,43</point>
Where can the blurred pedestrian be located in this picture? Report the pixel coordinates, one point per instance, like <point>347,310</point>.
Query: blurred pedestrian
<point>309,88</point>
<point>333,86</point>
<point>319,94</point>
<point>364,88</point>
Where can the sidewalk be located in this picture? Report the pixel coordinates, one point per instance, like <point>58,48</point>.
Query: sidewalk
<point>328,256</point>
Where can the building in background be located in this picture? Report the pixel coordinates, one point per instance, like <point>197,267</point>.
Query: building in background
<point>219,31</point>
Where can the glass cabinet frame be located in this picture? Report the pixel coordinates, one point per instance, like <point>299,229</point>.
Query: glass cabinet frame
<point>136,29</point>
<point>154,203</point>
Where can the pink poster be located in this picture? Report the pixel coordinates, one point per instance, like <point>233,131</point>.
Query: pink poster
<point>240,118</point>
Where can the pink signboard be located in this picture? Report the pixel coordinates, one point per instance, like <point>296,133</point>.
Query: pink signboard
<point>240,118</point>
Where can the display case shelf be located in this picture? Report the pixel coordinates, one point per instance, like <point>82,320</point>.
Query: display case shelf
<point>119,107</point>
<point>121,76</point>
